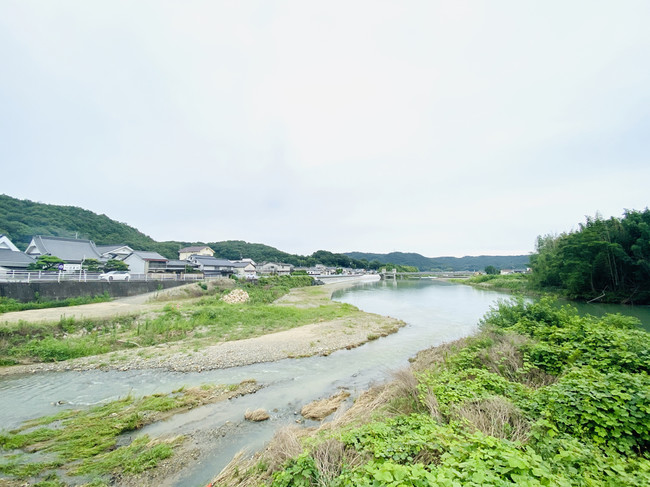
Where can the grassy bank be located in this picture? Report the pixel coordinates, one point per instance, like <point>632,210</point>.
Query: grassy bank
<point>541,396</point>
<point>8,305</point>
<point>514,283</point>
<point>92,445</point>
<point>204,319</point>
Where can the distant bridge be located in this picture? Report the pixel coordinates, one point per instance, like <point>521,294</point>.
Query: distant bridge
<point>425,275</point>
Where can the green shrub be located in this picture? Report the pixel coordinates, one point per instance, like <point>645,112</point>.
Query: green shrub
<point>608,409</point>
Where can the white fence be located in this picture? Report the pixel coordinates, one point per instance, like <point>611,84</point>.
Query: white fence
<point>83,276</point>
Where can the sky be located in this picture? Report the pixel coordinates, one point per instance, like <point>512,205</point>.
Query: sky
<point>446,128</point>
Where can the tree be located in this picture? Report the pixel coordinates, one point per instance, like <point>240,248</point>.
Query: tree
<point>45,263</point>
<point>491,270</point>
<point>91,265</point>
<point>115,265</point>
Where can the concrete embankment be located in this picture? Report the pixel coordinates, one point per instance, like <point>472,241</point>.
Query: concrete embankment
<point>52,291</point>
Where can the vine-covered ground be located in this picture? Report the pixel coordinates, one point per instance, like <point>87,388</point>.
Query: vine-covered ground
<point>541,396</point>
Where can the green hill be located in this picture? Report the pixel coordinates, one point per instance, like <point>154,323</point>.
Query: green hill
<point>20,220</point>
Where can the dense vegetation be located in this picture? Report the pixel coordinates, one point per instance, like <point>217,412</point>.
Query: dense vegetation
<point>607,260</point>
<point>540,397</point>
<point>468,263</point>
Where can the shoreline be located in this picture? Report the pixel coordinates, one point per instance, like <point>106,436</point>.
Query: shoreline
<point>320,338</point>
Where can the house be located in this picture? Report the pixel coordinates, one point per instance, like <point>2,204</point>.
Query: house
<point>275,269</point>
<point>141,262</point>
<point>14,260</point>
<point>185,253</point>
<point>72,251</point>
<point>180,266</point>
<point>244,269</point>
<point>211,266</point>
<point>114,252</point>
<point>5,243</point>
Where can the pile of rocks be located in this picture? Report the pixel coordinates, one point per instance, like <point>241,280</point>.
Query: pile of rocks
<point>236,296</point>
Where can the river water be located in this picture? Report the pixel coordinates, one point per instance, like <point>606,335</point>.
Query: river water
<point>435,312</point>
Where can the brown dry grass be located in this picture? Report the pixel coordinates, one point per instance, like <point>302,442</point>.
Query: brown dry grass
<point>245,471</point>
<point>319,410</point>
<point>432,357</point>
<point>495,416</point>
<point>256,415</point>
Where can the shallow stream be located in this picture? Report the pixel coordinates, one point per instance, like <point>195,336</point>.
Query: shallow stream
<point>435,312</point>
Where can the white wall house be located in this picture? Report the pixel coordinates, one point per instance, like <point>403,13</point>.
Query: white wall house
<point>275,269</point>
<point>141,262</point>
<point>185,253</point>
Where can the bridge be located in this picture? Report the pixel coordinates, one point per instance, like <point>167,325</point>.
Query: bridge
<point>425,275</point>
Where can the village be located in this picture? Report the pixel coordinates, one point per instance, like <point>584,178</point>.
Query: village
<point>82,259</point>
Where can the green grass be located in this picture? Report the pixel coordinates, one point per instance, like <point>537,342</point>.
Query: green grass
<point>519,283</point>
<point>84,442</point>
<point>7,304</point>
<point>208,320</point>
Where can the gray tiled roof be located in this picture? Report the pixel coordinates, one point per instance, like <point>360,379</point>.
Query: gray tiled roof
<point>10,258</point>
<point>194,249</point>
<point>102,249</point>
<point>207,260</point>
<point>67,249</point>
<point>149,255</point>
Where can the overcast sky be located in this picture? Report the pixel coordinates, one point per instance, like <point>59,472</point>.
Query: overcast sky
<point>444,128</point>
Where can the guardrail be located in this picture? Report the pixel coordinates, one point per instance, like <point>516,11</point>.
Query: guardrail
<point>83,276</point>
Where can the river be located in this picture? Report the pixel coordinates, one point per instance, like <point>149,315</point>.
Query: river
<point>435,312</point>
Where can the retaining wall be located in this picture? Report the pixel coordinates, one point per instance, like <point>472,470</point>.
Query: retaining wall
<point>51,291</point>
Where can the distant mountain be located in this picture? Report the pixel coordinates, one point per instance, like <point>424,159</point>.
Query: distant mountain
<point>468,263</point>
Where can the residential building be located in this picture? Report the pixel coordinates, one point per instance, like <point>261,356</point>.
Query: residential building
<point>275,269</point>
<point>114,252</point>
<point>72,251</point>
<point>244,270</point>
<point>185,253</point>
<point>141,262</point>
<point>14,260</point>
<point>211,266</point>
<point>180,266</point>
<point>6,244</point>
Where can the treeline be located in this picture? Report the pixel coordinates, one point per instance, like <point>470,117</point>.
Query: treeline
<point>605,260</point>
<point>467,263</point>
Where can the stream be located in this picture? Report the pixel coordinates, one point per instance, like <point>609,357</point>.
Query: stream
<point>435,312</point>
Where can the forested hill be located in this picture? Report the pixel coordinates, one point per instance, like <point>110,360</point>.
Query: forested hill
<point>20,220</point>
<point>468,263</point>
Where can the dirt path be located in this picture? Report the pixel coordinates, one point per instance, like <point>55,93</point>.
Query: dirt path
<point>121,306</point>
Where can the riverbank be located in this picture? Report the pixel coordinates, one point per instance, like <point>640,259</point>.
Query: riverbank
<point>520,403</point>
<point>320,338</point>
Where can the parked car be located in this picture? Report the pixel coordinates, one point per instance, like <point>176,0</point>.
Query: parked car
<point>115,276</point>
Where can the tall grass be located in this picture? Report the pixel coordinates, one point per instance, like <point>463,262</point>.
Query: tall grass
<point>8,304</point>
